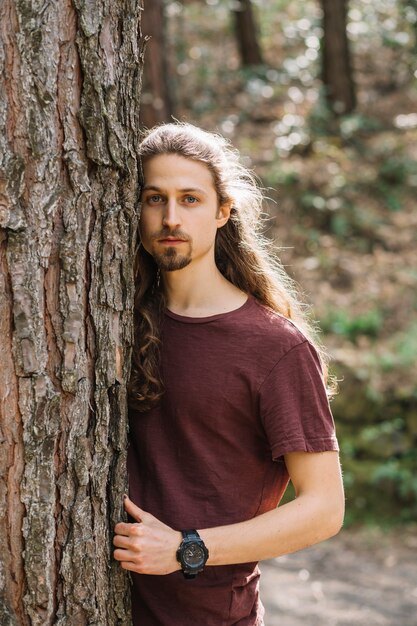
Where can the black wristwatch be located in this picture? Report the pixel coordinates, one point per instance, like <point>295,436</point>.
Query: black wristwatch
<point>192,553</point>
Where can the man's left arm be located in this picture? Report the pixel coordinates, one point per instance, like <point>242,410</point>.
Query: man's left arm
<point>314,515</point>
<point>149,546</point>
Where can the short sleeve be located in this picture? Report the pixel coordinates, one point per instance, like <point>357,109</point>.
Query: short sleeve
<point>293,404</point>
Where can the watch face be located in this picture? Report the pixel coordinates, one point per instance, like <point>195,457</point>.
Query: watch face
<point>193,555</point>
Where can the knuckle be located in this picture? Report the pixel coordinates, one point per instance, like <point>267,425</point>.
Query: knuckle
<point>137,531</point>
<point>140,566</point>
<point>136,547</point>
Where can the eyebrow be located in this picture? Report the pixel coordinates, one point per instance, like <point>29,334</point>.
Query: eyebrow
<point>187,190</point>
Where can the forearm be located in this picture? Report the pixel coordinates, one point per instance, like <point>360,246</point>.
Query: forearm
<point>303,522</point>
<point>149,546</point>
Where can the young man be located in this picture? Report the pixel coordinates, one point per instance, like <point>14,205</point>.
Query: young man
<point>227,397</point>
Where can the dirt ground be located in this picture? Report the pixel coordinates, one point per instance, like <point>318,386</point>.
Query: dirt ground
<point>365,578</point>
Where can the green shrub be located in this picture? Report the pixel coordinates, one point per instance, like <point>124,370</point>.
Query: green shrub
<point>341,323</point>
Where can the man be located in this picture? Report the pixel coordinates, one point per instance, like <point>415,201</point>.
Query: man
<point>227,397</point>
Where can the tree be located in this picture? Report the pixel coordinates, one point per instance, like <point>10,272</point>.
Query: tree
<point>247,33</point>
<point>69,93</point>
<point>156,98</point>
<point>336,64</point>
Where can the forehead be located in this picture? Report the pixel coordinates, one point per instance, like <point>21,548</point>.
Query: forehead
<point>175,171</point>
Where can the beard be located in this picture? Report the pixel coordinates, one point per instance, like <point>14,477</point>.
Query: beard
<point>170,260</point>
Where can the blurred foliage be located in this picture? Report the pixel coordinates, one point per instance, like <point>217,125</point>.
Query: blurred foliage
<point>399,354</point>
<point>341,323</point>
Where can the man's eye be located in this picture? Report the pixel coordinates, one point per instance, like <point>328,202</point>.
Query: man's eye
<point>191,199</point>
<point>154,199</point>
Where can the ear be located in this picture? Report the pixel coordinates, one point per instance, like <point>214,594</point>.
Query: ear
<point>223,213</point>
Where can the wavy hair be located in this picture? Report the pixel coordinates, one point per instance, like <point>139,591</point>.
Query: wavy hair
<point>243,255</point>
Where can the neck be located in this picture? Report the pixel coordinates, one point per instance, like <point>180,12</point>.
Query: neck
<point>200,290</point>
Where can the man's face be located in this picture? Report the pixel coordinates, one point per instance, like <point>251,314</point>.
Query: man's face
<point>180,211</point>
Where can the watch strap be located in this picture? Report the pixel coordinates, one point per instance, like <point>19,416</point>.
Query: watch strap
<point>190,536</point>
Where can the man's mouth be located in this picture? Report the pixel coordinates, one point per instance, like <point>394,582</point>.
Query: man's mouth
<point>171,240</point>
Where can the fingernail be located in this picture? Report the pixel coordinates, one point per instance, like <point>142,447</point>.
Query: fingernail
<point>125,496</point>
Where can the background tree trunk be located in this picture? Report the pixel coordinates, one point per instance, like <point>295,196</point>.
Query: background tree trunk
<point>336,65</point>
<point>156,99</point>
<point>70,83</point>
<point>247,33</point>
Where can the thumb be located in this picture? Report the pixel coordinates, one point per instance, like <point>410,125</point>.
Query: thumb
<point>133,510</point>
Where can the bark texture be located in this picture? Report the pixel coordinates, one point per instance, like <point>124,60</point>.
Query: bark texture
<point>247,33</point>
<point>70,79</point>
<point>336,63</point>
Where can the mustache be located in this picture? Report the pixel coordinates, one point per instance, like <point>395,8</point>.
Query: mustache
<point>166,232</point>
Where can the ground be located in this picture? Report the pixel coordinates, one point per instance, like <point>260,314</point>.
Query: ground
<point>363,577</point>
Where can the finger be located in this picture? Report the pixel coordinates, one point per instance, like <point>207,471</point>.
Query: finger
<point>124,555</point>
<point>133,510</point>
<point>122,542</point>
<point>126,529</point>
<point>132,567</point>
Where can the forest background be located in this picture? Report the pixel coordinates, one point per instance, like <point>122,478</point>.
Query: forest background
<point>340,172</point>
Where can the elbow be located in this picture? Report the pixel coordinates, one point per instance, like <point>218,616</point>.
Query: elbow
<point>330,513</point>
<point>336,525</point>
<point>327,519</point>
<point>335,517</point>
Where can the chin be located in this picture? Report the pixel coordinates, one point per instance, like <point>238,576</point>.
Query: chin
<point>172,264</point>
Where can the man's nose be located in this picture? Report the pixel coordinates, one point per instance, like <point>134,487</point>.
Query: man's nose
<point>171,217</point>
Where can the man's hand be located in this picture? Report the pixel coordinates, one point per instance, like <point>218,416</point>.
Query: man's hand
<point>147,546</point>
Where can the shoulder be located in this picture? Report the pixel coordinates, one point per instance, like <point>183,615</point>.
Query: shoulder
<point>276,332</point>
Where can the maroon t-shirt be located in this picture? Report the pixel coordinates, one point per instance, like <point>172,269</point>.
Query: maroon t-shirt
<point>242,389</point>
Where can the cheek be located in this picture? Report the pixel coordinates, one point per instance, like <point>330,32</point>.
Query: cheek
<point>146,223</point>
<point>145,232</point>
<point>207,235</point>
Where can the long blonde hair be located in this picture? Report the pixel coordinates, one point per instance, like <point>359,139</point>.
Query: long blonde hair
<point>242,253</point>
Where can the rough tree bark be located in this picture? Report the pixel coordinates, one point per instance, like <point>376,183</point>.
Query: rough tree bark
<point>70,78</point>
<point>336,65</point>
<point>156,104</point>
<point>247,33</point>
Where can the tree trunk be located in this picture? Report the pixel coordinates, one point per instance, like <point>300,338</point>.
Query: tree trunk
<point>247,33</point>
<point>156,100</point>
<point>69,98</point>
<point>336,65</point>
